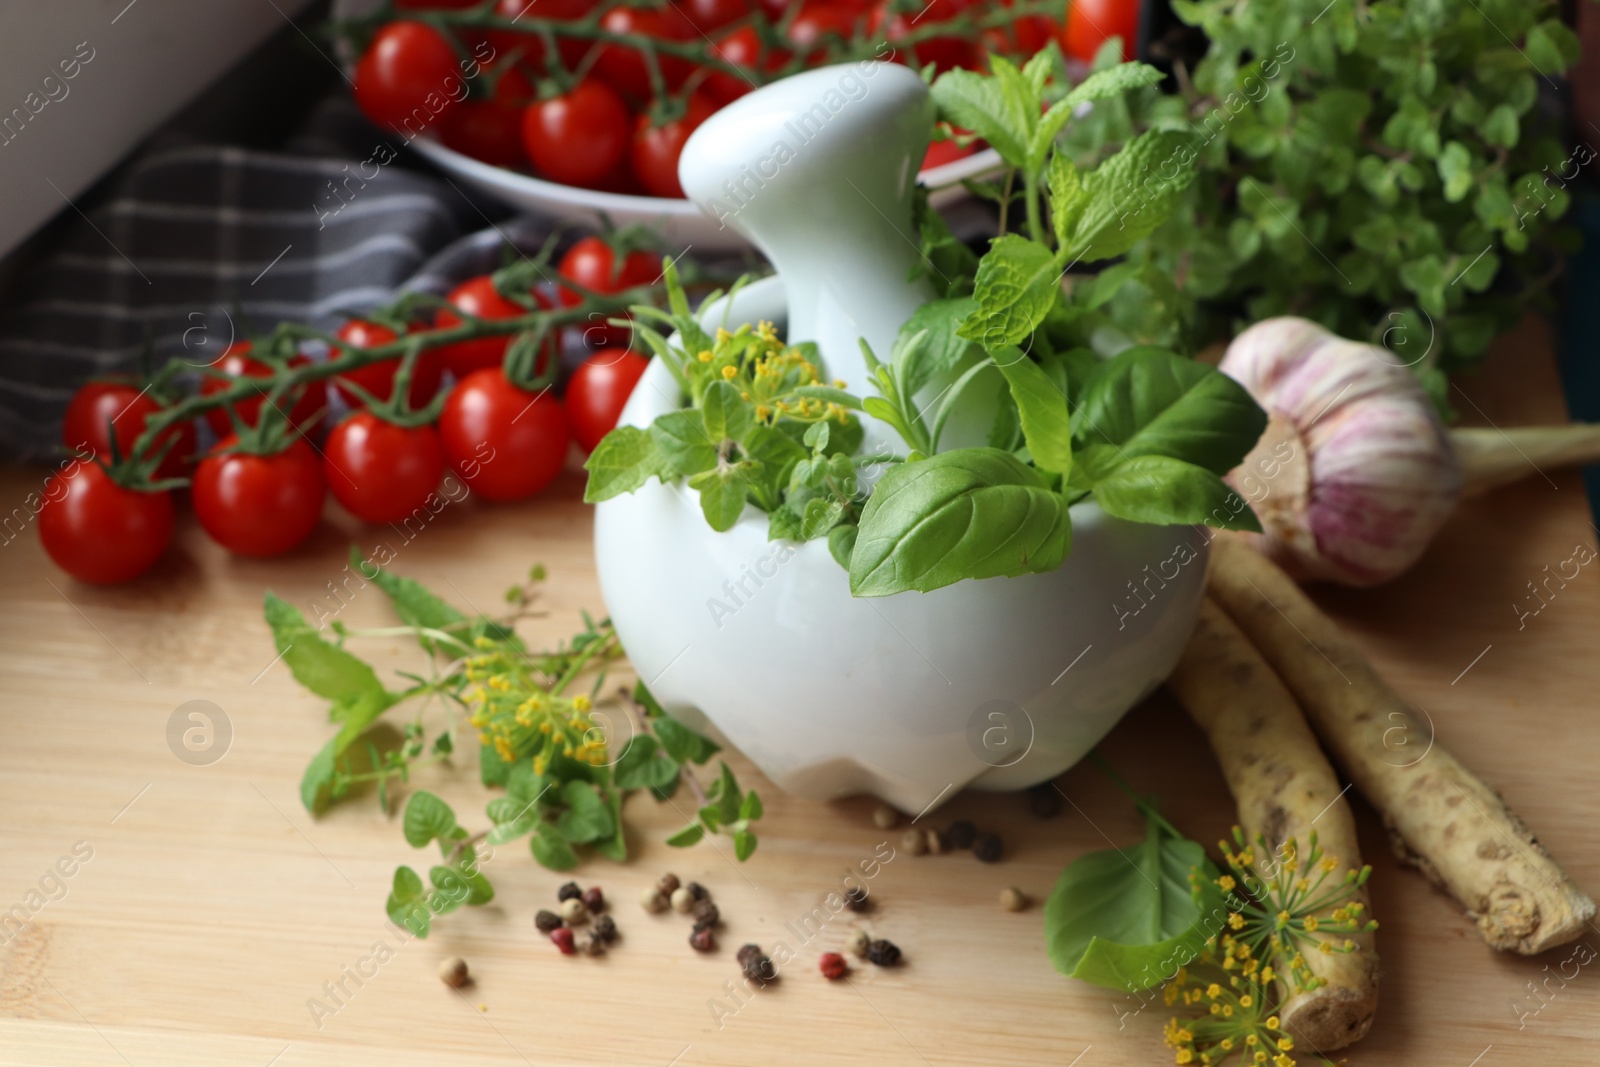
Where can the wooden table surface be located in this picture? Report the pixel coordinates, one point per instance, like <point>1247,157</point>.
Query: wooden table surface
<point>214,909</point>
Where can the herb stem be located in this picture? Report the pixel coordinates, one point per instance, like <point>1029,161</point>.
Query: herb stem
<point>1147,809</point>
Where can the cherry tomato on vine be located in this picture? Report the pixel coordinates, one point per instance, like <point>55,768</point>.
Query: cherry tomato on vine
<point>491,130</point>
<point>577,138</point>
<point>945,53</point>
<point>125,408</point>
<point>656,148</point>
<point>1090,23</point>
<point>259,505</point>
<point>506,443</point>
<point>742,47</point>
<point>380,472</point>
<point>597,391</point>
<point>1024,37</point>
<point>378,378</point>
<point>408,76</point>
<point>817,24</point>
<point>592,264</point>
<point>308,401</point>
<point>708,15</point>
<point>626,69</point>
<point>99,531</point>
<point>530,44</point>
<point>478,296</point>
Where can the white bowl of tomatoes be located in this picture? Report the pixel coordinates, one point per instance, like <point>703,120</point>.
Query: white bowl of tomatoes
<point>584,131</point>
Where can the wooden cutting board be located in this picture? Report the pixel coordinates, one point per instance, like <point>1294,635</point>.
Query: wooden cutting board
<point>215,913</point>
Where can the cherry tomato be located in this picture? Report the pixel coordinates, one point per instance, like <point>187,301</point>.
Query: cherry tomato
<point>624,68</point>
<point>434,5</point>
<point>381,472</point>
<point>816,26</point>
<point>378,378</point>
<point>708,15</point>
<point>491,130</point>
<point>309,400</point>
<point>98,531</point>
<point>478,296</point>
<point>1024,37</point>
<point>506,443</point>
<point>741,47</point>
<point>942,152</point>
<point>597,390</point>
<point>530,44</point>
<point>593,264</point>
<point>656,148</point>
<point>408,77</point>
<point>1090,23</point>
<point>258,505</point>
<point>945,53</point>
<point>577,138</point>
<point>125,409</point>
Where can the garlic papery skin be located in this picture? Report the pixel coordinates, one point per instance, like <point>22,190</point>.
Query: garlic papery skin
<point>1355,472</point>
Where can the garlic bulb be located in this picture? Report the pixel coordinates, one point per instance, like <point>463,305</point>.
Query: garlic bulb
<point>1355,473</point>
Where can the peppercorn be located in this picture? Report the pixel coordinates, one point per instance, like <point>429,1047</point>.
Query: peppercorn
<point>883,953</point>
<point>668,884</point>
<point>546,920</point>
<point>914,842</point>
<point>653,900</point>
<point>705,913</point>
<point>960,834</point>
<point>833,966</point>
<point>594,900</point>
<point>562,938</point>
<point>682,899</point>
<point>568,891</point>
<point>757,966</point>
<point>936,841</point>
<point>1013,899</point>
<point>855,898</point>
<point>698,891</point>
<point>857,942</point>
<point>988,848</point>
<point>453,972</point>
<point>701,939</point>
<point>594,945</point>
<point>1044,800</point>
<point>605,928</point>
<point>574,912</point>
<point>884,817</point>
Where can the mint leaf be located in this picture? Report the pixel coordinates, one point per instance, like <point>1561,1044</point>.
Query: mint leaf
<point>1130,194</point>
<point>967,513</point>
<point>414,603</point>
<point>1164,491</point>
<point>622,462</point>
<point>1101,85</point>
<point>974,102</point>
<point>1042,408</point>
<point>322,667</point>
<point>1018,282</point>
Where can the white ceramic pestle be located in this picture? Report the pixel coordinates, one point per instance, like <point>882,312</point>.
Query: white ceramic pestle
<point>998,683</point>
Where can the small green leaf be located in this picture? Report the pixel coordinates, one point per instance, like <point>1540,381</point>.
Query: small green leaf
<point>414,603</point>
<point>744,844</point>
<point>751,809</point>
<point>407,904</point>
<point>324,668</point>
<point>622,462</point>
<point>682,743</point>
<point>681,439</point>
<point>461,885</point>
<point>428,818</point>
<point>689,835</point>
<point>587,817</point>
<point>1042,409</point>
<point>1131,194</point>
<point>1164,491</point>
<point>842,543</point>
<point>1018,282</point>
<point>973,102</point>
<point>552,850</point>
<point>726,415</point>
<point>724,491</point>
<point>943,349</point>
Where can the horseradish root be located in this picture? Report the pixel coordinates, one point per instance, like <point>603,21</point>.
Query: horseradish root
<point>1285,790</point>
<point>1441,817</point>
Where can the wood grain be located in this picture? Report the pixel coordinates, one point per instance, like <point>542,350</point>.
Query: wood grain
<point>214,907</point>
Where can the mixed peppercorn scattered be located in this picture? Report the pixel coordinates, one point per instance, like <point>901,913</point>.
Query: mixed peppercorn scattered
<point>576,907</point>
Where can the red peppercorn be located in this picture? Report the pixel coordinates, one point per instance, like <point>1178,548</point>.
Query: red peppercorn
<point>594,900</point>
<point>834,966</point>
<point>563,940</point>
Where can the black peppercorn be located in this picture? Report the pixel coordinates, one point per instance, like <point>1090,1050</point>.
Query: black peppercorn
<point>669,883</point>
<point>883,953</point>
<point>701,939</point>
<point>697,891</point>
<point>988,848</point>
<point>547,921</point>
<point>568,891</point>
<point>855,898</point>
<point>1044,801</point>
<point>757,966</point>
<point>960,834</point>
<point>594,899</point>
<point>594,945</point>
<point>605,928</point>
<point>705,913</point>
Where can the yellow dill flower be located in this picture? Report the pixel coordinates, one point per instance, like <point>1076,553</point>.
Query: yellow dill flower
<point>729,371</point>
<point>705,355</point>
<point>1226,883</point>
<point>581,702</point>
<point>1236,921</point>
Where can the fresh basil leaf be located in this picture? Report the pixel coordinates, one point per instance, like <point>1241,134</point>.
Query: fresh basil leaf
<point>428,818</point>
<point>622,462</point>
<point>1146,401</point>
<point>586,818</point>
<point>414,603</point>
<point>681,438</point>
<point>1129,968</point>
<point>682,743</point>
<point>407,904</point>
<point>725,413</point>
<point>1130,194</point>
<point>943,349</point>
<point>1164,491</point>
<point>551,849</point>
<point>1041,409</point>
<point>967,513</point>
<point>1018,282</point>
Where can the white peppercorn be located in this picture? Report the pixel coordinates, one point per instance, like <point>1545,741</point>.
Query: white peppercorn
<point>453,972</point>
<point>1013,899</point>
<point>857,942</point>
<point>885,817</point>
<point>574,911</point>
<point>653,900</point>
<point>682,899</point>
<point>914,842</point>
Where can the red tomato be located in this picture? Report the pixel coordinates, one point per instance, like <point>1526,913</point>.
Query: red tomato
<point>506,443</point>
<point>577,138</point>
<point>125,409</point>
<point>378,378</point>
<point>656,148</point>
<point>942,152</point>
<point>1090,23</point>
<point>381,472</point>
<point>817,25</point>
<point>97,531</point>
<point>259,505</point>
<point>624,68</point>
<point>708,15</point>
<point>236,362</point>
<point>434,5</point>
<point>592,264</point>
<point>1024,37</point>
<point>408,77</point>
<point>530,44</point>
<point>741,47</point>
<point>491,130</point>
<point>478,296</point>
<point>597,390</point>
<point>945,53</point>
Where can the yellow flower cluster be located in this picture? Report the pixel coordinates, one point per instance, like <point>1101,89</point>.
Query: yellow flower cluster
<point>516,716</point>
<point>768,374</point>
<point>1233,989</point>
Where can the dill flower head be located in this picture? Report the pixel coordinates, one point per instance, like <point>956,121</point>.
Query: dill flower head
<point>519,717</point>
